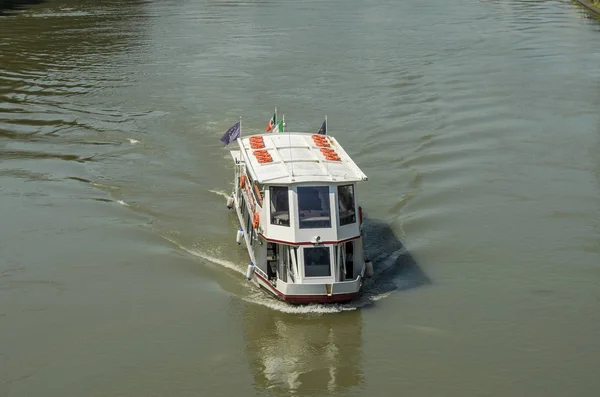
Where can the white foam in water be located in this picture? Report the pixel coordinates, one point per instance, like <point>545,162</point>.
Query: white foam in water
<point>63,14</point>
<point>133,141</point>
<point>367,298</point>
<point>222,262</point>
<point>220,193</point>
<point>283,307</point>
<point>123,203</point>
<point>99,185</point>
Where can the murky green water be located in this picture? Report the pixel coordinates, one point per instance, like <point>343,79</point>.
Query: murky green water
<point>477,123</point>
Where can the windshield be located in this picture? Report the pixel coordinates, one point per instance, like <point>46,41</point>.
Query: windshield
<point>313,207</point>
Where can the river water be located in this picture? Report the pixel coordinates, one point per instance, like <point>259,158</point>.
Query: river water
<point>477,124</point>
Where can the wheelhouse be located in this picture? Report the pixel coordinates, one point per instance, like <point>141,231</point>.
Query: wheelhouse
<point>300,204</point>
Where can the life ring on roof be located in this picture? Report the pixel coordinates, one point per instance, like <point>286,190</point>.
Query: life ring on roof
<point>243,179</point>
<point>256,220</point>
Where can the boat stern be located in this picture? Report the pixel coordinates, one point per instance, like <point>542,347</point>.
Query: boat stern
<point>336,292</point>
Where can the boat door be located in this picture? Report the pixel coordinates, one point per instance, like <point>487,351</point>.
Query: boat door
<point>286,263</point>
<point>317,264</point>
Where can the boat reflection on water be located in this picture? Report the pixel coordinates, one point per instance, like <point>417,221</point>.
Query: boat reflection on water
<point>298,351</point>
<point>308,354</point>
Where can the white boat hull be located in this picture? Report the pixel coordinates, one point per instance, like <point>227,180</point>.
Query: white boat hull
<point>337,292</point>
<point>295,198</point>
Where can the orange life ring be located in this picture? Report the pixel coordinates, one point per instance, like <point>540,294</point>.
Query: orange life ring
<point>264,157</point>
<point>243,181</point>
<point>256,220</point>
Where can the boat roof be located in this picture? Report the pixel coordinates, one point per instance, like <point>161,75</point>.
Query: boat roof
<point>297,158</point>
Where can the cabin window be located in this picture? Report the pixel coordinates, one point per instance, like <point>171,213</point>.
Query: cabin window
<point>346,204</point>
<point>280,205</point>
<point>317,262</point>
<point>313,207</point>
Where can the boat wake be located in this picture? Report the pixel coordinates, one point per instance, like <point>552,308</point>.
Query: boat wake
<point>220,193</point>
<point>394,270</point>
<point>255,295</point>
<point>206,256</point>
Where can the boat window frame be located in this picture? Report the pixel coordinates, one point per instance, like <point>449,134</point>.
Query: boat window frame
<point>300,195</point>
<point>342,221</point>
<point>272,219</point>
<point>305,262</point>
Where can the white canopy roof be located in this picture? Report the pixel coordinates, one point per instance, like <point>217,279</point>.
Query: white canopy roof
<point>296,158</point>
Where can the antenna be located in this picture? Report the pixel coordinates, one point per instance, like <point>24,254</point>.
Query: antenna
<point>290,147</point>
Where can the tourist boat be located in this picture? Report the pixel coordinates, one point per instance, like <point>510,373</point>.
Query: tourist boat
<point>295,197</point>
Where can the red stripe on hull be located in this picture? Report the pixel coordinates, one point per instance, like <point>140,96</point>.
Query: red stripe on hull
<point>305,299</point>
<point>335,298</point>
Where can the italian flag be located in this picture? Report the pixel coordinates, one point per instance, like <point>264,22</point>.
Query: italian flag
<point>272,122</point>
<point>278,127</point>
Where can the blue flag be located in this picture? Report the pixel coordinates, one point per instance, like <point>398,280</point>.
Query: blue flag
<point>323,129</point>
<point>232,134</point>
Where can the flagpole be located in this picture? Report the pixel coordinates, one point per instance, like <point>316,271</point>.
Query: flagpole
<point>240,126</point>
<point>326,127</point>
